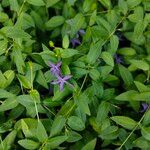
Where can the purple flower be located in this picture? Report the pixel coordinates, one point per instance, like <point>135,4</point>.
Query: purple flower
<point>81,32</point>
<point>118,59</point>
<point>75,42</point>
<point>144,107</point>
<point>61,81</point>
<point>55,68</point>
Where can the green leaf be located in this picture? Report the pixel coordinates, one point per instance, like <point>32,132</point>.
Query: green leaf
<point>9,75</point>
<point>141,143</point>
<point>28,144</point>
<point>102,112</point>
<point>57,125</point>
<point>114,43</point>
<point>94,74</point>
<point>94,52</point>
<point>8,141</point>
<point>14,5</point>
<point>24,82</point>
<point>104,23</point>
<point>25,129</point>
<point>56,141</point>
<point>144,96</point>
<point>41,132</point>
<point>125,122</point>
<point>107,57</point>
<point>126,75</point>
<point>126,96</point>
<point>8,104</point>
<point>36,2</point>
<point>40,78</point>
<point>82,102</point>
<point>133,3</point>
<point>146,120</point>
<point>55,21</point>
<point>73,136</point>
<point>35,96</point>
<point>90,145</point>
<point>106,3</point>
<point>123,6</point>
<point>109,133</point>
<point>18,59</point>
<point>126,51</point>
<point>66,53</point>
<point>76,24</point>
<point>50,3</point>
<point>14,32</point>
<point>141,87</point>
<point>3,17</point>
<point>146,133</point>
<point>87,5</point>
<point>141,64</point>
<point>2,80</point>
<point>66,42</point>
<point>76,123</point>
<point>5,94</point>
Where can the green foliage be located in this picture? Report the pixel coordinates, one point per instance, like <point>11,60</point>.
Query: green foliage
<point>103,45</point>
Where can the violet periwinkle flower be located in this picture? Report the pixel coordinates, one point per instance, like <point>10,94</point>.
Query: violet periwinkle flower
<point>118,59</point>
<point>75,42</point>
<point>55,68</point>
<point>144,107</point>
<point>81,32</point>
<point>61,81</point>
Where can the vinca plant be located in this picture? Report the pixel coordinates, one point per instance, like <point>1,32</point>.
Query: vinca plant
<point>74,74</point>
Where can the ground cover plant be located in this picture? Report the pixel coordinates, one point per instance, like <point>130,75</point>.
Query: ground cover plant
<point>74,74</point>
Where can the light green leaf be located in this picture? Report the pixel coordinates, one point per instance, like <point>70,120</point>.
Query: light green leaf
<point>106,3</point>
<point>36,2</point>
<point>126,51</point>
<point>29,144</point>
<point>141,64</point>
<point>40,78</point>
<point>5,94</point>
<point>82,102</point>
<point>126,75</point>
<point>107,57</point>
<point>50,3</point>
<point>55,21</point>
<point>141,87</point>
<point>76,123</point>
<point>90,145</point>
<point>56,141</point>
<point>133,3</point>
<point>123,6</point>
<point>14,32</point>
<point>76,24</point>
<point>8,104</point>
<point>126,96</point>
<point>8,141</point>
<point>125,122</point>
<point>57,125</point>
<point>24,82</point>
<point>73,136</point>
<point>41,132</point>
<point>102,112</point>
<point>94,52</point>
<point>3,17</point>
<point>9,75</point>
<point>66,53</point>
<point>146,133</point>
<point>65,42</point>
<point>114,42</point>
